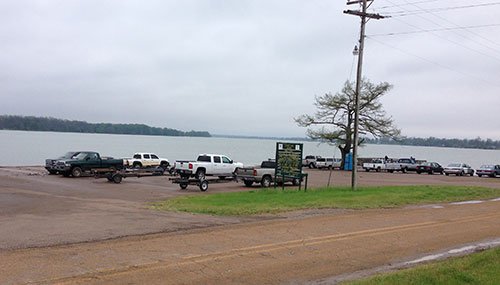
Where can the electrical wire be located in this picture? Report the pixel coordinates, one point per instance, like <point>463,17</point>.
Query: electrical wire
<point>433,62</point>
<point>436,10</point>
<point>434,30</point>
<point>456,25</point>
<point>399,5</point>
<point>452,41</point>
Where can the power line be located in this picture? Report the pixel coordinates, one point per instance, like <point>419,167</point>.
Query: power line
<point>456,25</point>
<point>435,10</point>
<point>399,5</point>
<point>433,62</point>
<point>435,30</point>
<point>451,41</point>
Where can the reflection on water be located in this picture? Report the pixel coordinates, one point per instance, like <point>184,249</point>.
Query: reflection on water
<point>31,148</point>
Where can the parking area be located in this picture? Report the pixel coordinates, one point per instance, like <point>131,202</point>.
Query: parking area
<point>42,210</point>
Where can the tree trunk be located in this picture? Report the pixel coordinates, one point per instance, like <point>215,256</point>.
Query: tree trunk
<point>343,152</point>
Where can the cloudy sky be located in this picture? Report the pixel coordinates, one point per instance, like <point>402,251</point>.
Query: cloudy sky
<point>249,67</point>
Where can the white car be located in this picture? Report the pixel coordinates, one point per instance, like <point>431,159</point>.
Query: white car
<point>459,169</point>
<point>146,159</point>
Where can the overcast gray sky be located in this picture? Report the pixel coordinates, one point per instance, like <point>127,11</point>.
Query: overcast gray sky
<point>247,67</point>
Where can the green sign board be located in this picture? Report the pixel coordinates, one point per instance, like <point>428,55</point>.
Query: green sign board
<point>289,159</point>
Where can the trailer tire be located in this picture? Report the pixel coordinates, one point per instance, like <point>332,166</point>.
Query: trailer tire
<point>117,178</point>
<point>248,183</point>
<point>137,164</point>
<point>183,185</point>
<point>204,185</point>
<point>295,182</point>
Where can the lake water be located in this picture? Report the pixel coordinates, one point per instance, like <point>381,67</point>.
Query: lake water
<point>20,148</point>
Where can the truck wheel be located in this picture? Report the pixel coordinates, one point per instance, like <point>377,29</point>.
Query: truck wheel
<point>367,169</point>
<point>311,165</point>
<point>183,185</point>
<point>378,169</point>
<point>248,183</point>
<point>204,185</point>
<point>76,171</point>
<point>200,174</point>
<point>403,170</point>
<point>137,165</point>
<point>266,181</point>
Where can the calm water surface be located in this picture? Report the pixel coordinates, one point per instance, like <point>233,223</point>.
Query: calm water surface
<point>20,148</point>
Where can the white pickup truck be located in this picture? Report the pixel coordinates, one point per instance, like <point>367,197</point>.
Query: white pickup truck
<point>376,164</point>
<point>207,165</point>
<point>146,159</point>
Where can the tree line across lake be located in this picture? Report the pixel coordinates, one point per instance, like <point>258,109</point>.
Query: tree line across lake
<point>439,142</point>
<point>47,124</point>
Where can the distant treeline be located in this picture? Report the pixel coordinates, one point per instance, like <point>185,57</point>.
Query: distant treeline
<point>439,142</point>
<point>46,124</point>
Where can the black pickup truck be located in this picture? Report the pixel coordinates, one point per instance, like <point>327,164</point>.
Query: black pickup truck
<point>86,161</point>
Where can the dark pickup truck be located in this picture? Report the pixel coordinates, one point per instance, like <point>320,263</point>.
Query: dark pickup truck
<point>86,161</point>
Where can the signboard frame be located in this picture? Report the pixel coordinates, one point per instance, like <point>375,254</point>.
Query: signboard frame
<point>288,161</point>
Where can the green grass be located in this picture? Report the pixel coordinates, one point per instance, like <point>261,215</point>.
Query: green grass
<point>275,201</point>
<point>477,268</point>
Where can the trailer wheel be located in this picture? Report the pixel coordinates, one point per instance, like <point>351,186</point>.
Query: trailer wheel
<point>248,183</point>
<point>204,185</point>
<point>183,185</point>
<point>117,178</point>
<point>295,182</point>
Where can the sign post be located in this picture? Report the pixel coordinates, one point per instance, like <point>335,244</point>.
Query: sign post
<point>288,162</point>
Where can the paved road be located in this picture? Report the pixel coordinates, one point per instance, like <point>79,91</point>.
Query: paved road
<point>291,251</point>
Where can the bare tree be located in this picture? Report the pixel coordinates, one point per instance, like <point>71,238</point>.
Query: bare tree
<point>335,116</point>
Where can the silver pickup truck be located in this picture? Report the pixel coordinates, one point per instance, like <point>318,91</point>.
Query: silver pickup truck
<point>263,174</point>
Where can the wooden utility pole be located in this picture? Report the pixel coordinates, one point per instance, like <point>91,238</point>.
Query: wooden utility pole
<point>364,16</point>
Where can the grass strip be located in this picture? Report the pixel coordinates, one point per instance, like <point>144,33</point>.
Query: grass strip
<point>265,201</point>
<point>477,268</point>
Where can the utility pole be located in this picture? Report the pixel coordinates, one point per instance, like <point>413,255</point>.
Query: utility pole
<point>364,17</point>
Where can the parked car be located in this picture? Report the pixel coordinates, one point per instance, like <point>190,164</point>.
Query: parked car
<point>263,174</point>
<point>376,164</point>
<point>146,159</point>
<point>85,161</point>
<point>488,170</point>
<point>310,161</point>
<point>50,163</point>
<point>459,169</point>
<point>328,162</point>
<point>403,165</point>
<point>207,165</point>
<point>430,168</point>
